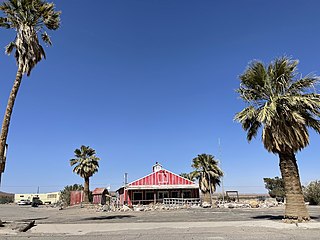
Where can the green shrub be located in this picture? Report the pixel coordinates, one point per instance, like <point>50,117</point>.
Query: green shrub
<point>311,192</point>
<point>275,188</point>
<point>4,200</point>
<point>261,198</point>
<point>66,193</point>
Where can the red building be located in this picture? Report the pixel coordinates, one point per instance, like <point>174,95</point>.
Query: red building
<point>99,196</point>
<point>156,186</point>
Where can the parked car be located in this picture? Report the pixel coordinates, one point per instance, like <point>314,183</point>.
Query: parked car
<point>24,202</point>
<point>36,202</point>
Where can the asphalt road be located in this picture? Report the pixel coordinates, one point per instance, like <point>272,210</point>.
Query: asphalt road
<point>188,234</point>
<point>82,223</point>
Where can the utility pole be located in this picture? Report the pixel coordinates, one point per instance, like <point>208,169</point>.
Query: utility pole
<point>125,188</point>
<point>219,157</point>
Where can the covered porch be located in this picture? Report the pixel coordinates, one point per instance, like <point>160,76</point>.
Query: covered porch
<point>145,195</point>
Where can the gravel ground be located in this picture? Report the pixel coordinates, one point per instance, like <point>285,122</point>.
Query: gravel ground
<point>195,223</point>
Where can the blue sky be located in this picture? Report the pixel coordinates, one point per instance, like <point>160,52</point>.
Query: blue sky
<point>143,81</point>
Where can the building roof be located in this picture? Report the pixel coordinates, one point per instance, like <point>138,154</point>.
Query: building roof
<point>98,191</point>
<point>161,178</point>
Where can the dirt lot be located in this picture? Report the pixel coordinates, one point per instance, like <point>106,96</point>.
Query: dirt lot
<point>194,223</point>
<point>49,215</point>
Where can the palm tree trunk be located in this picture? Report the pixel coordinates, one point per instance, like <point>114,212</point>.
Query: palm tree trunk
<point>206,197</point>
<point>86,190</point>
<point>295,206</point>
<point>7,116</point>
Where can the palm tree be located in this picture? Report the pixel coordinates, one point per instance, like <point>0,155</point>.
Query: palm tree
<point>28,18</point>
<point>86,165</point>
<point>188,176</point>
<point>207,172</point>
<point>284,105</point>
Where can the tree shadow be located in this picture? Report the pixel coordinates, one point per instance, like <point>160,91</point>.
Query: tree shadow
<point>107,217</point>
<point>269,217</point>
<point>278,217</point>
<point>31,219</point>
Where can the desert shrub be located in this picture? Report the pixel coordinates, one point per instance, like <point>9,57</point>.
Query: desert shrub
<point>275,188</point>
<point>261,198</point>
<point>66,192</point>
<point>4,200</point>
<point>311,192</point>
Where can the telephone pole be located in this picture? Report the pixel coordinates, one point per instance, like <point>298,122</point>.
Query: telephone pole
<point>219,158</point>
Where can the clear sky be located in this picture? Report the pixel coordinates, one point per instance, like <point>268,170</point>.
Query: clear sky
<point>143,81</point>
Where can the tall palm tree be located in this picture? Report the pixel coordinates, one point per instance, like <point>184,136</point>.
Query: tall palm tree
<point>284,104</point>
<point>29,18</point>
<point>207,172</point>
<point>87,164</point>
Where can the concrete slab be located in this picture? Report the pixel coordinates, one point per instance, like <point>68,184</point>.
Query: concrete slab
<point>81,229</point>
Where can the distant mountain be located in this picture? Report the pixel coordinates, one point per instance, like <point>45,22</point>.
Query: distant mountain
<point>3,194</point>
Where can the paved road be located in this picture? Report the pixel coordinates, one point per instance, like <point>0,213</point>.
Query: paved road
<point>82,223</point>
<point>195,233</point>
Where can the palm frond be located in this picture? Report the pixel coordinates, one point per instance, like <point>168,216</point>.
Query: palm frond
<point>4,23</point>
<point>253,130</point>
<point>74,161</point>
<point>280,103</point>
<point>10,47</point>
<point>86,162</point>
<point>29,18</point>
<point>303,84</point>
<point>206,170</point>
<point>45,37</point>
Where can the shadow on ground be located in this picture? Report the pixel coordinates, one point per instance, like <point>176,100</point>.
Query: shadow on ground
<point>279,217</point>
<point>269,217</point>
<point>31,219</point>
<point>107,217</point>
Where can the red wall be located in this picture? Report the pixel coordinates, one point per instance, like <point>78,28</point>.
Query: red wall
<point>76,197</point>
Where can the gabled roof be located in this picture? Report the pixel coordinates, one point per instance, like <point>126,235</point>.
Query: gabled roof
<point>162,177</point>
<point>98,191</point>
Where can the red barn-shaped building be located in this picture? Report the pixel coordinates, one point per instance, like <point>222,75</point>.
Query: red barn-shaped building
<point>99,196</point>
<point>155,187</point>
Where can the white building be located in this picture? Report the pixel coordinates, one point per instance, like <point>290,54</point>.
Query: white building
<point>46,198</point>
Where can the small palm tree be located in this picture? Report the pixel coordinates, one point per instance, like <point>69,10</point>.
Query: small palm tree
<point>187,176</point>
<point>28,18</point>
<point>208,173</point>
<point>284,105</point>
<point>87,164</point>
